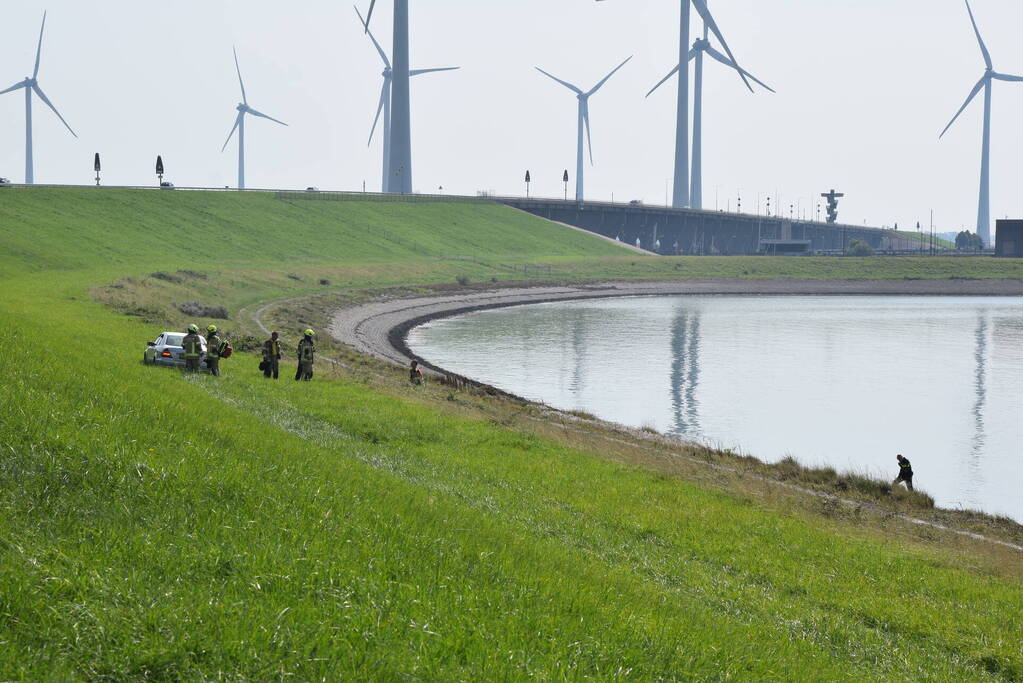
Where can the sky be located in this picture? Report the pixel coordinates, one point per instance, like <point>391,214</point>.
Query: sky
<point>864,87</point>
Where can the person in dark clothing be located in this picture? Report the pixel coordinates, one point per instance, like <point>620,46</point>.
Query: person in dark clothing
<point>306,356</point>
<point>415,375</point>
<point>905,473</point>
<point>271,356</point>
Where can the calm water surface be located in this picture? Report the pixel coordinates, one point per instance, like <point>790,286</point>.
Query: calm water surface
<point>844,381</point>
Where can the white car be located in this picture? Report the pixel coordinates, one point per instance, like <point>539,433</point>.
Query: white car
<point>4,181</point>
<point>166,349</point>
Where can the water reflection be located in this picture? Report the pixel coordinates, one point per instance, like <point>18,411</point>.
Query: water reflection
<point>980,355</point>
<point>685,372</point>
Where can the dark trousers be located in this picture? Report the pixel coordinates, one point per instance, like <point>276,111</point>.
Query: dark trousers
<point>214,365</point>
<point>907,480</point>
<point>191,365</point>
<point>272,368</point>
<point>304,372</point>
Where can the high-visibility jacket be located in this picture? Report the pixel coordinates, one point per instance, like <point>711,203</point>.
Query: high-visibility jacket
<point>905,468</point>
<point>192,344</point>
<point>271,349</point>
<point>214,345</point>
<point>306,350</point>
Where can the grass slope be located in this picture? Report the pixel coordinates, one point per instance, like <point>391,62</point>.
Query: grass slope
<point>160,526</point>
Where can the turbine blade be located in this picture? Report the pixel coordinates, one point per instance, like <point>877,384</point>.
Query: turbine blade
<point>604,80</point>
<point>663,81</point>
<point>39,50</point>
<point>264,116</point>
<point>380,50</point>
<point>973,93</point>
<point>701,8</point>
<point>983,47</point>
<point>564,83</point>
<point>732,65</point>
<point>420,72</point>
<point>380,108</point>
<point>1006,77</point>
<point>237,121</point>
<point>369,14</point>
<point>39,91</point>
<point>586,121</point>
<point>236,66</point>
<point>19,84</point>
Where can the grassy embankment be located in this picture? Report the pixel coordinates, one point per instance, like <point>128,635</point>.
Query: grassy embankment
<point>161,526</point>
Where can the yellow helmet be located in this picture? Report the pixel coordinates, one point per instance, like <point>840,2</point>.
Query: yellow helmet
<point>310,333</point>
<point>193,328</point>
<point>211,328</point>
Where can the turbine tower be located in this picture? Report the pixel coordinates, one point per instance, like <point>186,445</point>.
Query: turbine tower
<point>584,122</point>
<point>985,84</point>
<point>701,47</point>
<point>680,193</point>
<point>385,101</point>
<point>399,178</point>
<point>31,85</point>
<point>239,125</point>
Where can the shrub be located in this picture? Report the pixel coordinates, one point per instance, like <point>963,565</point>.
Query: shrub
<point>198,310</point>
<point>296,278</point>
<point>859,248</point>
<point>166,277</point>
<point>324,281</point>
<point>462,280</point>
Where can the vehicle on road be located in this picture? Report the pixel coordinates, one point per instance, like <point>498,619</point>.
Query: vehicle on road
<point>166,349</point>
<point>165,185</point>
<point>4,181</point>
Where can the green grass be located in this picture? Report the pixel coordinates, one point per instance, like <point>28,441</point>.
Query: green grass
<point>168,527</point>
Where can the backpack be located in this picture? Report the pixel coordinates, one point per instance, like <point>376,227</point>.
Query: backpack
<point>226,350</point>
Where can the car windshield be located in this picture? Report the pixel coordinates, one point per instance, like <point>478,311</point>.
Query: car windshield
<point>173,339</point>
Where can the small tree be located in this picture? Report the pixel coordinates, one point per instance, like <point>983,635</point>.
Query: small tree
<point>859,248</point>
<point>968,241</point>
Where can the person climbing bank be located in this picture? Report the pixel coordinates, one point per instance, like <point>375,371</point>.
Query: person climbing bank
<point>905,473</point>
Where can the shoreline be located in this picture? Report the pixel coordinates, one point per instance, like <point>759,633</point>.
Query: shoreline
<point>380,328</point>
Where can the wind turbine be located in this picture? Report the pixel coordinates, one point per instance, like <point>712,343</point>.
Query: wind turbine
<point>985,83</point>
<point>400,165</point>
<point>31,85</point>
<point>385,101</point>
<point>700,47</point>
<point>584,122</point>
<point>239,125</point>
<point>680,193</point>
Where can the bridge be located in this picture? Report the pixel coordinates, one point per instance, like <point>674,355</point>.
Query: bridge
<point>666,230</point>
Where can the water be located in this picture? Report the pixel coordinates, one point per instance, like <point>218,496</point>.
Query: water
<point>843,381</point>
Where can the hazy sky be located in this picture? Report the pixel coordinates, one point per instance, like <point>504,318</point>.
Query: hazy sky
<point>864,88</point>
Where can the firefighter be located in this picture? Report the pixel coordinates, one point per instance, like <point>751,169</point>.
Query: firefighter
<point>271,356</point>
<point>415,375</point>
<point>214,346</point>
<point>306,356</point>
<point>192,344</point>
<point>905,473</point>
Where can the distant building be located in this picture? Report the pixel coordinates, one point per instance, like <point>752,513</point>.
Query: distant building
<point>1009,238</point>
